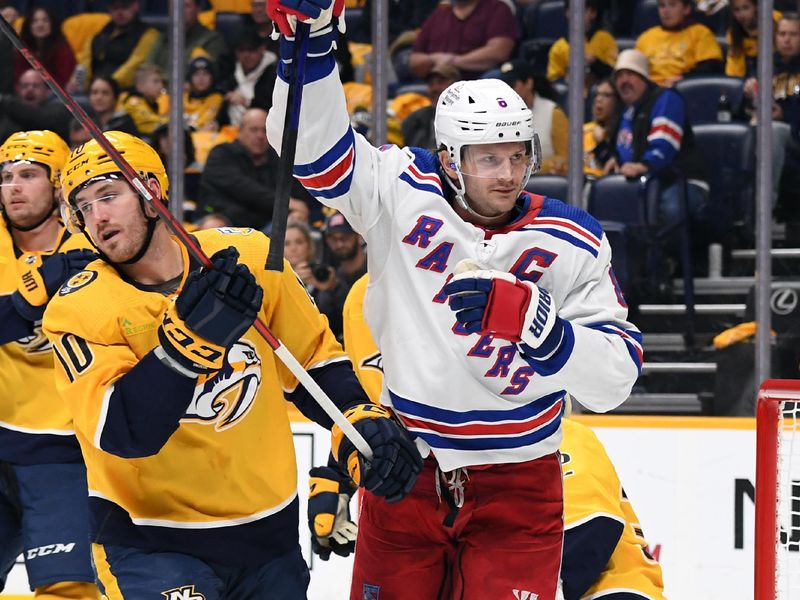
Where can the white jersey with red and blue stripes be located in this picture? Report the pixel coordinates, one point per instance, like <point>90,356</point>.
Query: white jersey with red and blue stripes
<point>474,399</point>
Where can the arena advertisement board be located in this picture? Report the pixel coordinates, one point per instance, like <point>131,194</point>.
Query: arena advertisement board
<point>691,482</point>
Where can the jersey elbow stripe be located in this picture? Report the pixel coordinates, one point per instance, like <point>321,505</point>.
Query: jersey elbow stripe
<point>632,339</point>
<point>331,175</point>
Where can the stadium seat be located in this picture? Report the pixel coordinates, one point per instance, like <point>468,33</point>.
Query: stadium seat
<point>645,16</point>
<point>728,151</point>
<point>229,25</point>
<point>625,43</point>
<point>536,51</point>
<point>552,186</point>
<point>551,20</point>
<point>629,208</point>
<point>619,205</point>
<point>160,22</point>
<point>702,96</point>
<point>616,198</point>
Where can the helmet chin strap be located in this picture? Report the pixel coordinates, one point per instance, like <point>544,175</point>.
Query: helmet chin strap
<point>151,227</point>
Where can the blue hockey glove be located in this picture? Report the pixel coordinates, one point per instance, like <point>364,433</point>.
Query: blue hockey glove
<point>332,530</point>
<point>497,303</point>
<point>213,310</point>
<point>396,461</point>
<point>42,275</point>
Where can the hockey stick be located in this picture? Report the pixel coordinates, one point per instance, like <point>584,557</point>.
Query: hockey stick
<point>291,118</point>
<point>191,245</point>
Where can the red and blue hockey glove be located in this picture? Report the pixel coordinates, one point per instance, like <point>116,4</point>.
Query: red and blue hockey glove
<point>396,461</point>
<point>318,13</point>
<point>42,275</point>
<point>332,530</point>
<point>497,303</point>
<point>213,310</point>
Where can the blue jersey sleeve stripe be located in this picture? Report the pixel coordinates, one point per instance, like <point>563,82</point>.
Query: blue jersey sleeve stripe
<point>444,415</point>
<point>556,208</point>
<point>420,186</point>
<point>336,153</point>
<point>567,237</point>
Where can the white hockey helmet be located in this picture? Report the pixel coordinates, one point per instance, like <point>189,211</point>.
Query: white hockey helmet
<point>483,111</point>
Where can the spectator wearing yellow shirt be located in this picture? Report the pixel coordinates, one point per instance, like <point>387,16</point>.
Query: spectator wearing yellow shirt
<point>141,103</point>
<point>742,38</point>
<point>679,46</point>
<point>549,121</point>
<point>201,100</point>
<point>600,49</point>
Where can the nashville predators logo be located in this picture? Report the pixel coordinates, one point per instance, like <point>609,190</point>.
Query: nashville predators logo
<point>77,281</point>
<point>36,343</point>
<point>373,361</point>
<point>225,397</point>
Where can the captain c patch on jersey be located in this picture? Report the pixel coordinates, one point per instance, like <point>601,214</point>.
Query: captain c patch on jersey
<point>225,397</point>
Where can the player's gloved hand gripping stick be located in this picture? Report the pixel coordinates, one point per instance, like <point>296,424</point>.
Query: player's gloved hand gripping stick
<point>191,245</point>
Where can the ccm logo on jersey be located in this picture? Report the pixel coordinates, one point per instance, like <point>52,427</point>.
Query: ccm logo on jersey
<point>225,397</point>
<point>49,549</point>
<point>77,281</point>
<point>186,592</point>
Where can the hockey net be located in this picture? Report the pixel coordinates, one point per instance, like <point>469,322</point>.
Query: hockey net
<point>777,536</point>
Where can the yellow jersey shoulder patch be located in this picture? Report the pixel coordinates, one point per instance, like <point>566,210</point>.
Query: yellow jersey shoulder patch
<point>78,281</point>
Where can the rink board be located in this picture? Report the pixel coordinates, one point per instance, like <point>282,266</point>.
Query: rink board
<point>689,479</point>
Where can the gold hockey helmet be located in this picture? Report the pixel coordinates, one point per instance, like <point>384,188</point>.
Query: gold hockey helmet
<point>89,162</point>
<point>42,147</point>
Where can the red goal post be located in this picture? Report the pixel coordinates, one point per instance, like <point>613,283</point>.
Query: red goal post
<point>777,520</point>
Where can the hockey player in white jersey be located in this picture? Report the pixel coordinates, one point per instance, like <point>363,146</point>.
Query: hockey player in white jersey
<point>476,364</point>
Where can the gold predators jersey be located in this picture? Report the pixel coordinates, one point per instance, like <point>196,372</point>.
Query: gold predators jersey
<point>230,464</point>
<point>592,489</point>
<point>35,425</point>
<point>673,53</point>
<point>358,342</point>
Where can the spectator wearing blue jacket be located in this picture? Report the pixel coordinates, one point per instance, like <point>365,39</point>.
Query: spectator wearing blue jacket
<point>654,138</point>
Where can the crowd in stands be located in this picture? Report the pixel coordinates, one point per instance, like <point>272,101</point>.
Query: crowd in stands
<point>113,56</point>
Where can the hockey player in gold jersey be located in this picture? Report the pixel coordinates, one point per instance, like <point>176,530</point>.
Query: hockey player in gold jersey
<point>178,403</point>
<point>42,476</point>
<point>605,553</point>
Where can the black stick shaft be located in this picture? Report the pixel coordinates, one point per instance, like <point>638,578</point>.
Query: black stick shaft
<point>280,210</point>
